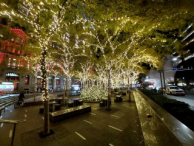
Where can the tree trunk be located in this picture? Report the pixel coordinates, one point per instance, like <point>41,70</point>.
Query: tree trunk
<point>109,88</point>
<point>129,91</point>
<point>45,96</point>
<point>68,87</point>
<point>64,90</point>
<point>35,88</point>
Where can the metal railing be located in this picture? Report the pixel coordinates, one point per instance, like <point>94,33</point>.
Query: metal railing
<point>15,122</point>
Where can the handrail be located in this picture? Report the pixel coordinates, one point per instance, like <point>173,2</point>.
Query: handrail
<point>12,122</point>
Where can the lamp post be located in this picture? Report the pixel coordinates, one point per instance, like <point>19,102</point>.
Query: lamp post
<point>164,82</point>
<point>161,80</point>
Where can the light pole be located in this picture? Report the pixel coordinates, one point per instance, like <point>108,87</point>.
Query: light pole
<point>161,80</point>
<point>164,82</point>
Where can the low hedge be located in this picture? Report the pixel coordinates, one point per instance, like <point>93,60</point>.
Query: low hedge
<point>178,109</point>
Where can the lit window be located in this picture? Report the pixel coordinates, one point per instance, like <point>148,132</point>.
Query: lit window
<point>27,79</point>
<point>57,82</point>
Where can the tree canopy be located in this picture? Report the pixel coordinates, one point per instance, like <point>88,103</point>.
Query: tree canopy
<point>136,31</point>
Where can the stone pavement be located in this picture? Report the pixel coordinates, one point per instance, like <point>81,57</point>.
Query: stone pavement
<point>118,127</point>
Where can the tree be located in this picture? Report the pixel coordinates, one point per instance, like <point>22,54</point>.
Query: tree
<point>118,31</point>
<point>42,20</point>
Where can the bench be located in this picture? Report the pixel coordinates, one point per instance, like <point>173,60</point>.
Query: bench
<point>118,99</point>
<point>60,95</point>
<point>69,113</point>
<point>104,103</point>
<point>57,107</point>
<point>70,104</point>
<point>101,104</point>
<point>52,107</point>
<point>80,102</point>
<point>41,110</point>
<point>123,93</point>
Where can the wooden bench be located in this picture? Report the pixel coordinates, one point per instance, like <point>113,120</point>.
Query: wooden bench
<point>69,113</point>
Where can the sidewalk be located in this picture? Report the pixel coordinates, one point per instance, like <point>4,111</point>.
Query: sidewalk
<point>118,127</point>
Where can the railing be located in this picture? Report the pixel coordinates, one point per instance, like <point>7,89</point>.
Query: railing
<point>158,126</point>
<point>14,128</point>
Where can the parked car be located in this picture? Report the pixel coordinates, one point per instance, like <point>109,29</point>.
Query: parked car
<point>174,90</point>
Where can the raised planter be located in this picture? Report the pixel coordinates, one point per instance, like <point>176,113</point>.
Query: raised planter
<point>158,123</point>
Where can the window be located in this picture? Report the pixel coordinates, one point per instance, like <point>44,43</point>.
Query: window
<point>57,82</point>
<point>39,81</point>
<point>50,81</point>
<point>27,80</point>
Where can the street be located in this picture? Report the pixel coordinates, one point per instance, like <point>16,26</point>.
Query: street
<point>188,98</point>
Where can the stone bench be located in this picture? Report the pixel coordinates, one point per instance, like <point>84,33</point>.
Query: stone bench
<point>74,103</point>
<point>70,104</point>
<point>69,113</point>
<point>41,110</point>
<point>118,99</point>
<point>123,93</point>
<point>57,107</point>
<point>104,103</point>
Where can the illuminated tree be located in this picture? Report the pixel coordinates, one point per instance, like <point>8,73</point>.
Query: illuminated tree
<point>138,31</point>
<point>42,20</point>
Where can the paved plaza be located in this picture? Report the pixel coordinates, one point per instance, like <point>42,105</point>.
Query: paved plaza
<point>118,127</point>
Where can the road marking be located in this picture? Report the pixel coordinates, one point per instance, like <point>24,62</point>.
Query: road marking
<point>43,118</point>
<point>80,135</point>
<point>26,110</point>
<point>10,133</point>
<point>115,128</point>
<point>1,124</point>
<point>25,115</point>
<point>93,113</point>
<point>87,122</point>
<point>111,144</point>
<point>115,116</point>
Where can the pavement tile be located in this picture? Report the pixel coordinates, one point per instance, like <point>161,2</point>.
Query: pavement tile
<point>95,127</point>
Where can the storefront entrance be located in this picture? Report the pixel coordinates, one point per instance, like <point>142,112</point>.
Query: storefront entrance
<point>13,77</point>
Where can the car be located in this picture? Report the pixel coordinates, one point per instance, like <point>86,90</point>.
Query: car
<point>174,90</point>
